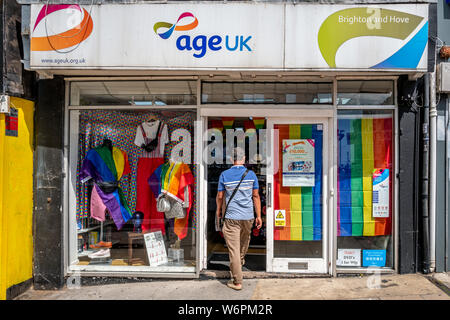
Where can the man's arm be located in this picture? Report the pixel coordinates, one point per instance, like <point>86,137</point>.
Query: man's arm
<point>257,204</point>
<point>219,202</point>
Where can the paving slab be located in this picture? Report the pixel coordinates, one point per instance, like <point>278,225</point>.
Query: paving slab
<point>410,287</point>
<point>155,290</point>
<point>384,287</point>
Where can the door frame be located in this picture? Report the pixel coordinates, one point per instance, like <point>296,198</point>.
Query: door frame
<point>314,265</point>
<point>270,112</point>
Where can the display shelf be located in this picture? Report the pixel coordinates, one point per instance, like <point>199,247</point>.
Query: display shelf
<point>94,228</point>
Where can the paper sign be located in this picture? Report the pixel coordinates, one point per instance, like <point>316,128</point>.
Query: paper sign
<point>349,257</point>
<point>298,162</point>
<point>380,193</point>
<point>280,218</point>
<point>12,123</point>
<point>156,251</point>
<point>374,258</point>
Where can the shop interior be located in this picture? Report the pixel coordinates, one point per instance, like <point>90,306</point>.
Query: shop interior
<point>217,252</point>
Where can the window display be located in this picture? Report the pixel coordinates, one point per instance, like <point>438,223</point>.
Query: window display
<point>365,188</point>
<point>128,163</point>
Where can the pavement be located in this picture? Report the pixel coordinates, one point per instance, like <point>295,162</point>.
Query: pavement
<point>384,287</point>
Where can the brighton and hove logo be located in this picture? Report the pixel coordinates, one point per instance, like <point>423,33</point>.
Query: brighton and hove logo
<point>351,23</point>
<point>72,37</point>
<point>200,43</point>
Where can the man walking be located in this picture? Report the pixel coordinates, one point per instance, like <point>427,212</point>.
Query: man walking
<point>240,187</point>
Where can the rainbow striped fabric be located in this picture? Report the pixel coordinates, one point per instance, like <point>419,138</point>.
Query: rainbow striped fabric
<point>364,145</point>
<point>303,205</point>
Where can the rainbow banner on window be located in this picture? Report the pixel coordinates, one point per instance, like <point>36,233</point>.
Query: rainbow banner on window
<point>364,145</point>
<point>303,205</point>
<point>228,122</point>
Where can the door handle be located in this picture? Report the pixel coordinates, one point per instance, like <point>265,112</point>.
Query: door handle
<point>269,195</point>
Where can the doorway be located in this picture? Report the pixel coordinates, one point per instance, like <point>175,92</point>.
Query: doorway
<point>294,190</point>
<point>297,184</point>
<point>225,133</point>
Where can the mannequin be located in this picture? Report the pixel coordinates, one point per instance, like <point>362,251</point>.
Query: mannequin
<point>107,143</point>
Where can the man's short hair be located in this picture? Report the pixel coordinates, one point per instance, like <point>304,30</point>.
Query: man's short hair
<point>238,154</point>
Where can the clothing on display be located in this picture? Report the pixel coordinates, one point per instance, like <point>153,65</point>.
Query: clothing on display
<point>152,131</point>
<point>106,165</point>
<point>174,180</point>
<point>145,203</point>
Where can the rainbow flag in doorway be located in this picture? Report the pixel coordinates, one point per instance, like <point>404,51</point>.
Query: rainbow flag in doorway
<point>364,145</point>
<point>303,205</point>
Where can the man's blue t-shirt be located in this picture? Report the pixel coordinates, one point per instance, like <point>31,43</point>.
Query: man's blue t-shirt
<point>241,206</point>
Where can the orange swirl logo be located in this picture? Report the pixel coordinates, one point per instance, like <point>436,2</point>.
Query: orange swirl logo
<point>66,39</point>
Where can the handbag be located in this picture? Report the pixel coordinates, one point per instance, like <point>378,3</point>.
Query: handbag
<point>221,221</point>
<point>149,146</point>
<point>162,204</point>
<point>176,210</point>
<point>108,186</point>
<point>171,207</point>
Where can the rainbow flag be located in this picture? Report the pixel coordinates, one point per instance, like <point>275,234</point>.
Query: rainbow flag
<point>228,122</point>
<point>259,123</point>
<point>364,145</point>
<point>303,205</point>
<point>216,124</point>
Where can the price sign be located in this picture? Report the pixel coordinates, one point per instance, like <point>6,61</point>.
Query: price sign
<point>349,257</point>
<point>156,251</point>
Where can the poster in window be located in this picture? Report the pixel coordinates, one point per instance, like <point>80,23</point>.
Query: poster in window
<point>298,163</point>
<point>380,193</point>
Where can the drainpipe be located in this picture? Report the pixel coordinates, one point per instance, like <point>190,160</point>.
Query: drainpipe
<point>433,148</point>
<point>425,167</point>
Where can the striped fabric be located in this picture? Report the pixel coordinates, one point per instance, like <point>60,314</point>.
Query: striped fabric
<point>364,145</point>
<point>303,205</point>
<point>228,122</point>
<point>259,122</point>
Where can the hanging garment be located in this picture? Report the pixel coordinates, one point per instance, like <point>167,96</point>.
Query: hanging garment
<point>145,203</point>
<point>98,208</point>
<point>173,179</point>
<point>106,167</point>
<point>148,131</point>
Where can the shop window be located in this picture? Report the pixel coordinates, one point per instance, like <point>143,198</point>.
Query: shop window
<point>133,93</point>
<point>374,92</point>
<point>267,92</point>
<point>365,206</point>
<point>136,205</point>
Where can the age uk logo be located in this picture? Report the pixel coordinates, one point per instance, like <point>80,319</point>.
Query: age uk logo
<point>200,43</point>
<point>66,39</point>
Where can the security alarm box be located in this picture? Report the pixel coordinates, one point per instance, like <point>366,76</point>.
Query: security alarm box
<point>444,77</point>
<point>4,103</point>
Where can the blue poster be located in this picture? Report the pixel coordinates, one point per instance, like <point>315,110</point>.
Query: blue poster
<point>374,258</point>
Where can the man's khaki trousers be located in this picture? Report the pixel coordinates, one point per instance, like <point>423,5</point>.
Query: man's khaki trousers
<point>237,237</point>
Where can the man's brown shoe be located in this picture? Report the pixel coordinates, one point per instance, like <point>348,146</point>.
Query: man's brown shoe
<point>232,285</point>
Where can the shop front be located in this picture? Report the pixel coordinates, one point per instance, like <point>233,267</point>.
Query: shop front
<point>156,100</point>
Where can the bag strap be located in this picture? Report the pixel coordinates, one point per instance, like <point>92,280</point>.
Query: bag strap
<point>160,129</point>
<point>143,133</point>
<point>234,192</point>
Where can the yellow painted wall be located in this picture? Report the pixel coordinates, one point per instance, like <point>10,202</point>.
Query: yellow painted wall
<point>16,199</point>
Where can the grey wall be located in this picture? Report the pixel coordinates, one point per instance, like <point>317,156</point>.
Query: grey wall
<point>443,152</point>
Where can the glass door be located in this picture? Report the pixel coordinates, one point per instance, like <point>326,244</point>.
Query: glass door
<point>297,186</point>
